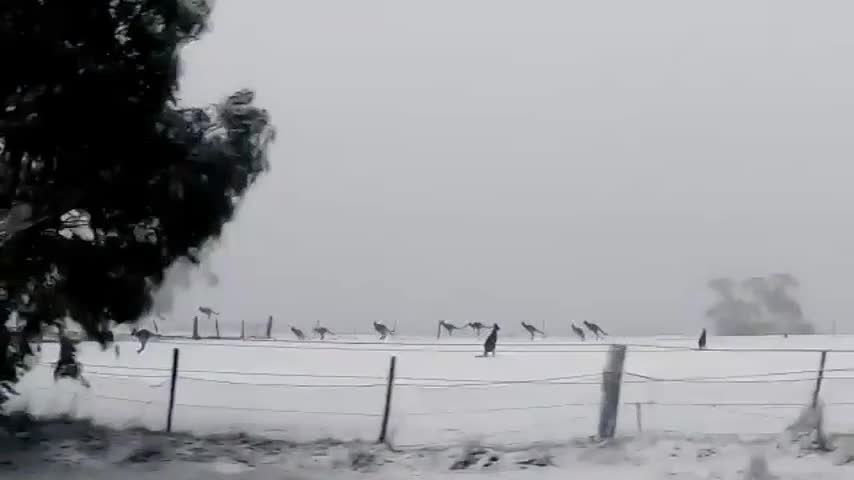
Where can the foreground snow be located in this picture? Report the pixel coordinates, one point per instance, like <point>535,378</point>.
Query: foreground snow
<point>693,414</point>
<point>78,451</point>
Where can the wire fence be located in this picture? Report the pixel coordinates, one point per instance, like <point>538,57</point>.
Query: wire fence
<point>723,391</point>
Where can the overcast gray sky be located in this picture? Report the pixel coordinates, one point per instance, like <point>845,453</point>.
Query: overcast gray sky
<point>534,160</point>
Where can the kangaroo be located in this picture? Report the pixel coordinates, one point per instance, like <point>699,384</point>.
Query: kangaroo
<point>449,327</point>
<point>702,341</point>
<point>208,311</point>
<point>382,330</point>
<point>578,332</point>
<point>491,341</point>
<point>532,330</point>
<point>477,327</point>
<point>322,332</point>
<point>110,339</point>
<point>298,333</point>
<point>67,365</point>
<point>143,335</point>
<point>596,329</point>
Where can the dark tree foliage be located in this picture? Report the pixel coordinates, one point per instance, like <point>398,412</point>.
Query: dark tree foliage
<point>104,181</point>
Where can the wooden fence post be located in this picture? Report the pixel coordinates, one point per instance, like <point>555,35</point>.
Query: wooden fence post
<point>821,439</point>
<point>270,327</point>
<point>172,389</point>
<point>611,379</point>
<point>196,327</point>
<point>216,325</point>
<point>387,410</point>
<point>243,329</point>
<point>438,330</point>
<point>639,417</point>
<point>819,379</point>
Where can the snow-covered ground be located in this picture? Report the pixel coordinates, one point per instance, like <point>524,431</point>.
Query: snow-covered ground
<point>683,409</point>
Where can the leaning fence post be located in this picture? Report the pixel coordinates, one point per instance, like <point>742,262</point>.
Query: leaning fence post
<point>216,325</point>
<point>387,410</point>
<point>172,389</point>
<point>611,380</point>
<point>819,379</point>
<point>639,417</point>
<point>270,327</point>
<point>821,440</point>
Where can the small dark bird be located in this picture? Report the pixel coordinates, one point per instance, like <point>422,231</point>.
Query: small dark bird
<point>578,332</point>
<point>143,335</point>
<point>477,327</point>
<point>702,341</point>
<point>532,330</point>
<point>491,341</point>
<point>298,333</point>
<point>322,332</point>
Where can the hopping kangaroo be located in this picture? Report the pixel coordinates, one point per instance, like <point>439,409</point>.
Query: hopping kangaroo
<point>143,335</point>
<point>491,341</point>
<point>477,327</point>
<point>383,330</point>
<point>67,365</point>
<point>532,330</point>
<point>596,329</point>
<point>322,332</point>
<point>449,327</point>
<point>298,333</point>
<point>208,311</point>
<point>110,339</point>
<point>578,332</point>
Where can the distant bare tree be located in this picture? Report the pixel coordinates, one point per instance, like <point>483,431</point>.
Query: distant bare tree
<point>762,305</point>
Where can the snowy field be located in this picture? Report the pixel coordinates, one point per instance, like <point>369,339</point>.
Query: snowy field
<point>542,391</point>
<point>685,413</point>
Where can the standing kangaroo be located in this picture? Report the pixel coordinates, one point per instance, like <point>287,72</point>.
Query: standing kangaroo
<point>578,332</point>
<point>532,330</point>
<point>491,341</point>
